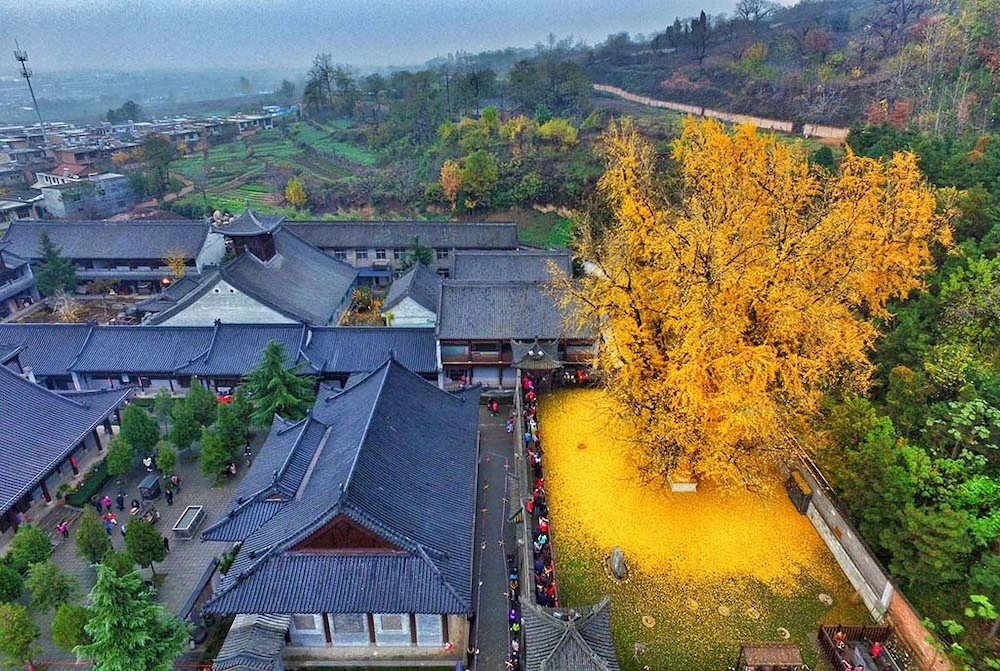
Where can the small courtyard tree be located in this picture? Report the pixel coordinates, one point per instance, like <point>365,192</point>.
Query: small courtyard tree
<point>139,430</point>
<point>92,542</point>
<point>68,626</point>
<point>30,545</point>
<point>163,403</point>
<point>145,544</point>
<point>17,634</point>
<point>119,562</point>
<point>202,401</point>
<point>49,586</point>
<point>214,456</point>
<point>185,429</point>
<point>231,433</point>
<point>166,457</point>
<point>274,388</point>
<point>11,584</point>
<point>120,457</point>
<point>128,630</point>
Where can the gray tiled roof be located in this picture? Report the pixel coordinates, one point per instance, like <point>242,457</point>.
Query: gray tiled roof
<point>8,351</point>
<point>500,311</point>
<point>400,234</point>
<point>39,428</point>
<point>235,349</point>
<point>109,239</point>
<point>141,349</point>
<point>397,456</point>
<point>49,349</point>
<point>337,350</point>
<point>251,223</point>
<point>254,643</point>
<point>420,284</point>
<point>569,640</point>
<point>300,281</point>
<point>169,297</point>
<point>535,354</point>
<point>510,266</point>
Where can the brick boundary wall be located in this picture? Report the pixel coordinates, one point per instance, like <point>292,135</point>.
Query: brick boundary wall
<point>866,574</point>
<point>808,130</point>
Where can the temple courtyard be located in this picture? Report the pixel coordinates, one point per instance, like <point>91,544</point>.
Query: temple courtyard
<point>707,570</point>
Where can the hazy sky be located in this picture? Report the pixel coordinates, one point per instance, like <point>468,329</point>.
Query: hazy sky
<point>137,34</point>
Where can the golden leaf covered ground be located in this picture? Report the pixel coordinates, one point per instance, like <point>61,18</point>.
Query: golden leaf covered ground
<point>713,568</point>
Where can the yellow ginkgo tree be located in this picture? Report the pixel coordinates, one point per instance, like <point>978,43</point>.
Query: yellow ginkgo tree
<point>731,294</point>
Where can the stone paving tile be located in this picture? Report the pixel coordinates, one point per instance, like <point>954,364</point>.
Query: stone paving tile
<point>494,538</point>
<point>187,559</point>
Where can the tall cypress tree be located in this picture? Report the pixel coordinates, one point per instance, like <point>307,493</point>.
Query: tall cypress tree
<point>128,629</point>
<point>274,388</point>
<point>55,272</point>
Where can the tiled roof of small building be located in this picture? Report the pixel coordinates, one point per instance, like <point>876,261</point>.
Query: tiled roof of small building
<point>520,265</point>
<point>419,283</point>
<point>501,311</point>
<point>49,349</point>
<point>109,239</point>
<point>251,223</point>
<point>401,234</point>
<point>254,643</point>
<point>395,455</point>
<point>569,639</point>
<point>355,349</point>
<point>39,428</point>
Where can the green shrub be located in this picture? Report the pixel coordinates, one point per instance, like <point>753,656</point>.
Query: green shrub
<point>99,477</point>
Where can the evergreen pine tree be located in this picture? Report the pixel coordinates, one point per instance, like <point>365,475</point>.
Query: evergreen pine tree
<point>129,631</point>
<point>55,272</point>
<point>92,542</point>
<point>185,429</point>
<point>273,388</point>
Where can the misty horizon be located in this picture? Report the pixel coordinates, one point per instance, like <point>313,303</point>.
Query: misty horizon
<point>234,35</point>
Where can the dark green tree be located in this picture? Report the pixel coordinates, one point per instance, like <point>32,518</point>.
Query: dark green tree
<point>163,403</point>
<point>158,152</point>
<point>274,388</point>
<point>139,430</point>
<point>202,401</point>
<point>185,429</point>
<point>68,626</point>
<point>30,545</point>
<point>11,584</point>
<point>128,629</point>
<point>92,542</point>
<point>145,544</point>
<point>121,457</point>
<point>231,433</point>
<point>129,111</point>
<point>49,586</point>
<point>55,272</point>
<point>166,457</point>
<point>120,562</point>
<point>214,456</point>
<point>932,547</point>
<point>823,157</point>
<point>419,253</point>
<point>479,176</point>
<point>17,635</point>
<point>242,408</point>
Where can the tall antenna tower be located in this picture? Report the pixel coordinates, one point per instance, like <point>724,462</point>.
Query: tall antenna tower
<point>22,57</point>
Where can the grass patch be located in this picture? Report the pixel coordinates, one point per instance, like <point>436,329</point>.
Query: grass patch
<point>545,229</point>
<point>714,569</point>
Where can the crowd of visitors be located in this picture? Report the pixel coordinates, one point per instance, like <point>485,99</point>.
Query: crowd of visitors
<point>537,506</point>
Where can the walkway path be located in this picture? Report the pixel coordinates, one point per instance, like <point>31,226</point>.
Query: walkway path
<point>494,539</point>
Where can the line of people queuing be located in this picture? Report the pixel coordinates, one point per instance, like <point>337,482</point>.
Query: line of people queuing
<point>546,593</point>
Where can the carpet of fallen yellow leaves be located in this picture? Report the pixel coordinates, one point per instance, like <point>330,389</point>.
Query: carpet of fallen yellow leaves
<point>712,568</point>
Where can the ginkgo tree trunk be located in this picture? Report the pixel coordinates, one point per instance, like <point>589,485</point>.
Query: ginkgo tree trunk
<point>728,304</point>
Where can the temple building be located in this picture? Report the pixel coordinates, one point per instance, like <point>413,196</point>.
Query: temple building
<point>17,283</point>
<point>355,527</point>
<point>46,438</point>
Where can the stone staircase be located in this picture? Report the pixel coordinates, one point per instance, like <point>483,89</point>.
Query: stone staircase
<point>69,514</point>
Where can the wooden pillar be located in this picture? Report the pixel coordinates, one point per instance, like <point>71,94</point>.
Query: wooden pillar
<point>45,492</point>
<point>107,428</point>
<point>326,629</point>
<point>445,637</point>
<point>413,629</point>
<point>371,628</point>
<point>74,465</point>
<point>97,439</point>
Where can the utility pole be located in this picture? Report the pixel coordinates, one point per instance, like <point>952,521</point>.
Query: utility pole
<point>22,58</point>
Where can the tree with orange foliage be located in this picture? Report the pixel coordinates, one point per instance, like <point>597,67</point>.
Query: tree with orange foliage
<point>728,308</point>
<point>451,181</point>
<point>176,260</point>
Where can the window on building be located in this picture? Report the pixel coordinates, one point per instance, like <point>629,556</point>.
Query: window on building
<point>392,629</point>
<point>361,254</point>
<point>442,254</point>
<point>430,630</point>
<point>380,254</point>
<point>399,254</point>
<point>340,254</point>
<point>349,629</point>
<point>486,348</point>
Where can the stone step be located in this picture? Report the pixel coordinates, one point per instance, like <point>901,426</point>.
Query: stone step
<point>65,513</point>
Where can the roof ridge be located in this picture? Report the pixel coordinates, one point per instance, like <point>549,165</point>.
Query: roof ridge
<point>384,369</point>
<point>86,340</point>
<point>441,575</point>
